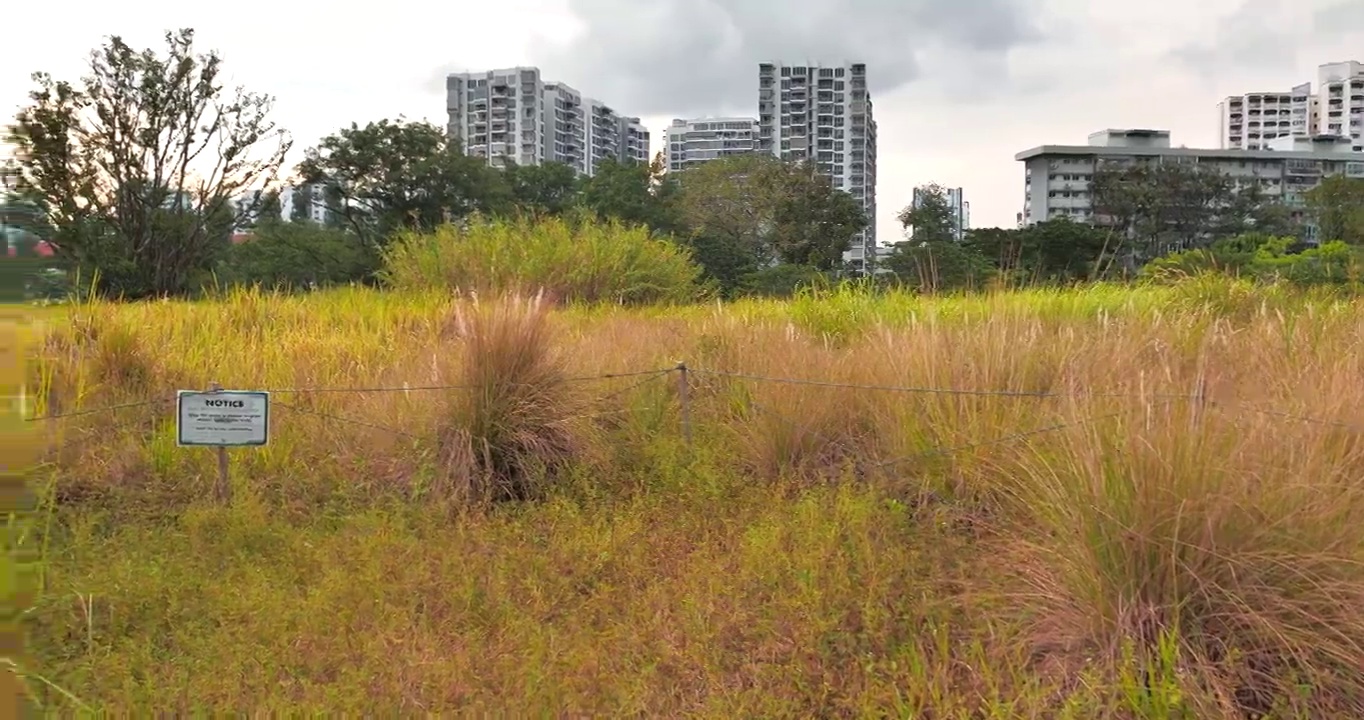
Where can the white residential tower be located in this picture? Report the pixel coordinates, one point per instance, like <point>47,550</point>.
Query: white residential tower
<point>823,114</point>
<point>688,143</point>
<point>514,114</point>
<point>1336,108</point>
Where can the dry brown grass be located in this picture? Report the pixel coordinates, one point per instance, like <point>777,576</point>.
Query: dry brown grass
<point>516,419</point>
<point>1101,545</point>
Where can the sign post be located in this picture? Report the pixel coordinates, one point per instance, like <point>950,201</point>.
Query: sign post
<point>221,419</point>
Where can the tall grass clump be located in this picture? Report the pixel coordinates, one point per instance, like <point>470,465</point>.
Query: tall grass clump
<point>1204,543</point>
<point>571,260</point>
<point>516,419</point>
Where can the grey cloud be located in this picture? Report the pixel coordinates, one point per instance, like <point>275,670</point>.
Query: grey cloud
<point>1340,19</point>
<point>1272,33</point>
<point>1248,37</point>
<point>700,57</point>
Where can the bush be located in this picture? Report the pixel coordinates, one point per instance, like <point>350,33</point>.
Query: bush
<point>296,256</point>
<point>783,280</point>
<point>582,260</point>
<point>1260,257</point>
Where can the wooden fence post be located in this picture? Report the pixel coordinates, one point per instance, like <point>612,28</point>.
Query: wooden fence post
<point>223,489</point>
<point>684,398</point>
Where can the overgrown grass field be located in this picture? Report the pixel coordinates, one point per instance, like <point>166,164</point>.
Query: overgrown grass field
<point>1094,503</point>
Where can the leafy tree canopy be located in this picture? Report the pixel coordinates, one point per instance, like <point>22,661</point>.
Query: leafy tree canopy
<point>1337,207</point>
<point>136,166</point>
<point>396,175</point>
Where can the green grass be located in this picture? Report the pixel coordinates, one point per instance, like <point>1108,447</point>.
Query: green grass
<point>578,260</point>
<point>1103,551</point>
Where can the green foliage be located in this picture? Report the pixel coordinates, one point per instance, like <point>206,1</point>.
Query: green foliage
<point>549,188</point>
<point>631,193</point>
<point>780,281</point>
<point>929,219</point>
<point>725,264</point>
<point>298,255</point>
<point>578,260</point>
<point>1337,207</point>
<point>393,175</point>
<point>1053,251</point>
<point>733,200</point>
<point>136,165</point>
<point>815,222</point>
<point>939,266</point>
<point>1263,258</point>
<point>1162,207</point>
<point>769,210</point>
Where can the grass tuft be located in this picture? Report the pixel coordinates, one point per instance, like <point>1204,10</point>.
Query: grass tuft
<point>516,419</point>
<point>1185,535</point>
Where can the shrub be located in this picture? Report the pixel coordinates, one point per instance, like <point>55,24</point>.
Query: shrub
<point>296,256</point>
<point>579,260</point>
<point>783,280</point>
<point>1261,257</point>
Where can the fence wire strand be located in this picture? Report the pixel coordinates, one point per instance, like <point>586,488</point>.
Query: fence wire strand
<point>420,388</point>
<point>635,385</point>
<point>935,391</point>
<point>343,419</point>
<point>101,409</point>
<point>647,376</point>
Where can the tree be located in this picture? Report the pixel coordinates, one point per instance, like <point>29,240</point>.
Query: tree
<point>550,188</point>
<point>939,266</point>
<point>814,222</point>
<point>1155,208</point>
<point>1057,250</point>
<point>929,219</point>
<point>297,255</point>
<point>729,266</point>
<point>136,166</point>
<point>270,207</point>
<point>394,175</point>
<point>629,192</point>
<point>734,200</point>
<point>746,212</point>
<point>931,259</point>
<point>1337,208</point>
<point>783,280</point>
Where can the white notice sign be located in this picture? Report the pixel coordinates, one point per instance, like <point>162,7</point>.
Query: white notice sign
<point>222,418</point>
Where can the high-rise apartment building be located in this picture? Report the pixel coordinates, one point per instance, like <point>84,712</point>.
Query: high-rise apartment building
<point>688,143</point>
<point>515,114</point>
<point>823,115</point>
<point>1058,178</point>
<point>1340,96</point>
<point>956,204</point>
<point>1251,121</point>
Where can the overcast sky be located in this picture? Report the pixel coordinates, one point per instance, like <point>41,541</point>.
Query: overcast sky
<point>959,85</point>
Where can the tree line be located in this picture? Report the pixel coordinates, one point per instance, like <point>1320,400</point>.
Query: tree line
<point>139,175</point>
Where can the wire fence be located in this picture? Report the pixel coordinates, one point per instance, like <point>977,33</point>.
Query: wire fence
<point>688,378</point>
